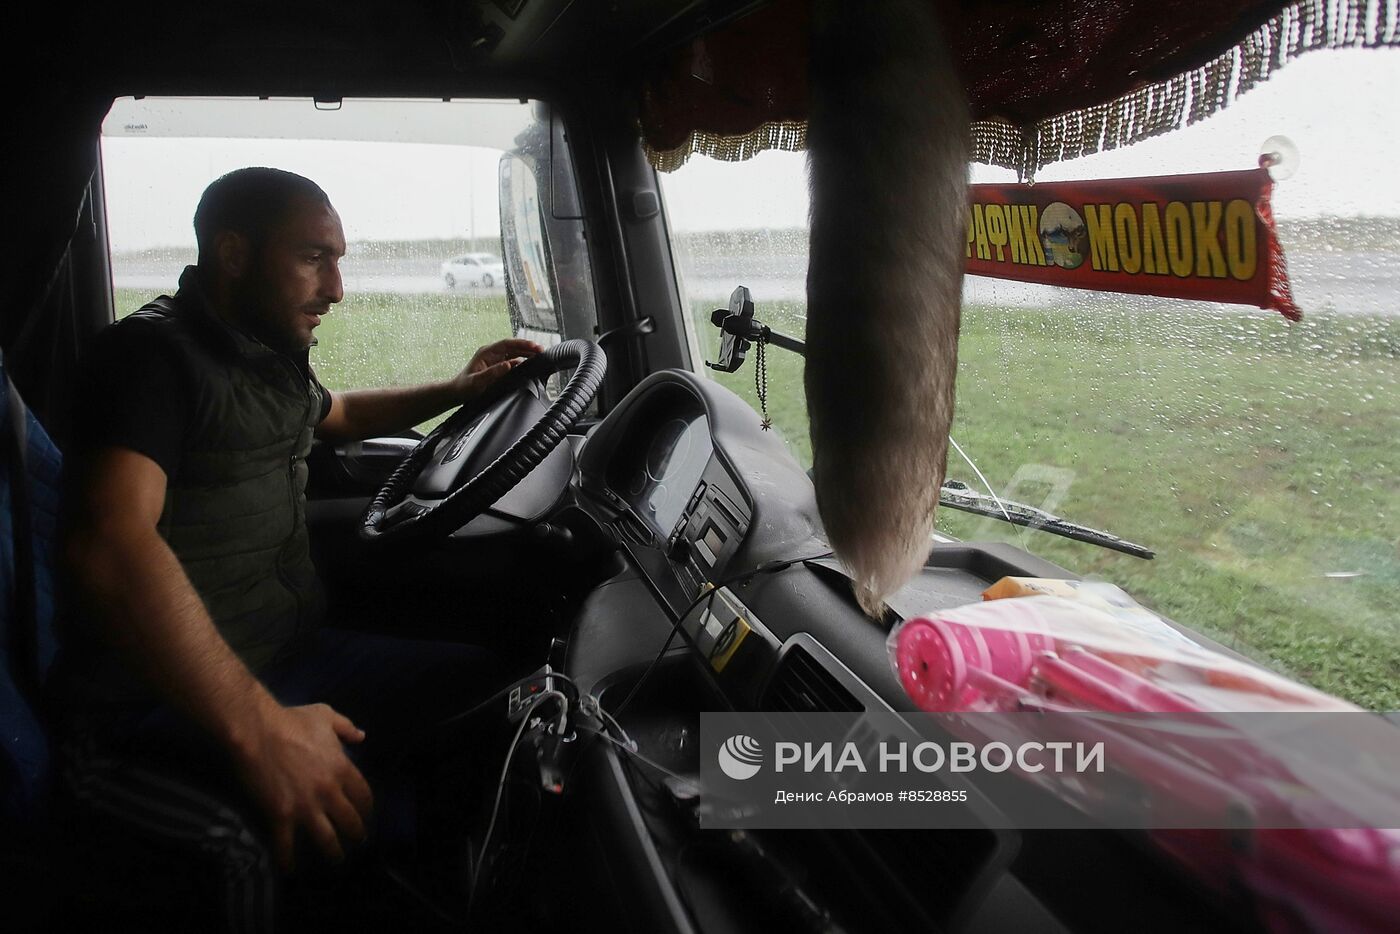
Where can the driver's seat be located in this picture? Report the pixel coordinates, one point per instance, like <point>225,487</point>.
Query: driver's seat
<point>72,851</point>
<point>29,478</point>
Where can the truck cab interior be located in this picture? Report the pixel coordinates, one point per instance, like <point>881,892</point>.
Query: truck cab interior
<point>616,512</point>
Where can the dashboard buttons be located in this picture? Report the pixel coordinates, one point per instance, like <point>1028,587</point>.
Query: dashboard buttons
<point>695,498</point>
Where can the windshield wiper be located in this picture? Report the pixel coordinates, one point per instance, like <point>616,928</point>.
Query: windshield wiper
<point>739,328</point>
<point>958,495</point>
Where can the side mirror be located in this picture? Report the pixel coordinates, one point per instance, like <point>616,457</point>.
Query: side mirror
<point>530,289</point>
<point>548,277</point>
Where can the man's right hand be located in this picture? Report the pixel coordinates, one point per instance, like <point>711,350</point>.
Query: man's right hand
<point>296,767</point>
<point>128,579</point>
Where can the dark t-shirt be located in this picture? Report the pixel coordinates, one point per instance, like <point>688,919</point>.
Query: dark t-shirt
<point>133,396</point>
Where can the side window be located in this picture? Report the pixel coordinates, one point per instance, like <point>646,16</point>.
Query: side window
<point>416,185</point>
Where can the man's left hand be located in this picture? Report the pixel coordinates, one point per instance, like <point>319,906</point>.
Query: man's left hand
<point>490,363</point>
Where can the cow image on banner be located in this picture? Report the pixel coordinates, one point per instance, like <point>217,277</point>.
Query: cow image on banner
<point>1209,237</point>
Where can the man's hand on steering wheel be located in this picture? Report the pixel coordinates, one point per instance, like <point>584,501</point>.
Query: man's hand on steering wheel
<point>489,364</point>
<point>447,480</point>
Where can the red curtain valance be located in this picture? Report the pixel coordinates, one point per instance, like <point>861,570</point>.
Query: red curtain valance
<point>1045,81</point>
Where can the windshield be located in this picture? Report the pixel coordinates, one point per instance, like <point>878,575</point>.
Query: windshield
<point>1256,458</point>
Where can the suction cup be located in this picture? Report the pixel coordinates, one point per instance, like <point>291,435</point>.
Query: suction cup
<point>1279,156</point>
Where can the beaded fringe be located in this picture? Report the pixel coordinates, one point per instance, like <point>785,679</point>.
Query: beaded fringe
<point>1146,112</point>
<point>789,136</point>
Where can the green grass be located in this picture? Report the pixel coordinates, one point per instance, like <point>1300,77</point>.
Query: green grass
<point>1254,457</point>
<point>372,340</point>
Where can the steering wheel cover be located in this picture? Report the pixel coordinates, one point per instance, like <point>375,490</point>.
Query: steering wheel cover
<point>496,479</point>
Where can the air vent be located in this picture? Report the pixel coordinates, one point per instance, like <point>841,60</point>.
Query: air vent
<point>802,685</point>
<point>628,528</point>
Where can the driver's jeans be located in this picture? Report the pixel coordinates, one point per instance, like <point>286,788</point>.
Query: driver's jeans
<point>399,691</point>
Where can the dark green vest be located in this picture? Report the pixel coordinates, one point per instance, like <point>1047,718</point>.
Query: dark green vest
<point>235,512</point>
<point>235,507</point>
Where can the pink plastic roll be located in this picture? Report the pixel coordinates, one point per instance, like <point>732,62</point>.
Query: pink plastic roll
<point>935,657</point>
<point>931,666</point>
<point>1142,694</point>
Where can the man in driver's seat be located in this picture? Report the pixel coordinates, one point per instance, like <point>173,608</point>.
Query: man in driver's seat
<point>193,648</point>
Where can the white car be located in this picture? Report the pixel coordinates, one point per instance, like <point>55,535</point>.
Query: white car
<point>482,269</point>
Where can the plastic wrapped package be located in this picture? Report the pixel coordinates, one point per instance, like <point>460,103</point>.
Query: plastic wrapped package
<point>1092,649</point>
<point>993,655</point>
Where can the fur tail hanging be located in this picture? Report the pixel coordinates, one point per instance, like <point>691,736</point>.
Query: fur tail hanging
<point>887,163</point>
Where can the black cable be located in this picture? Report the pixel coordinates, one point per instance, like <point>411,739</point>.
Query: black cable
<point>501,787</point>
<point>665,646</point>
<point>567,680</point>
<point>436,728</point>
<point>641,758</point>
<point>768,567</point>
<point>424,901</point>
<point>408,886</point>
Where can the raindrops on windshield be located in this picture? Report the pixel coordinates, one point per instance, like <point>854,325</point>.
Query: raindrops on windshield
<point>1256,457</point>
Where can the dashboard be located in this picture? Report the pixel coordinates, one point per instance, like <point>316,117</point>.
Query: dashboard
<point>675,500</point>
<point>699,499</point>
<point>660,476</point>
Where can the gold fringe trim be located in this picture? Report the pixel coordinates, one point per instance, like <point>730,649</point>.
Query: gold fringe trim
<point>786,135</point>
<point>1194,95</point>
<point>1141,114</point>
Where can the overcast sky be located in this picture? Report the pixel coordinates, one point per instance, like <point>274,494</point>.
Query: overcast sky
<point>1341,110</point>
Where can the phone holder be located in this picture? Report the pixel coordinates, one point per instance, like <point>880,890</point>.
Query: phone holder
<point>739,329</point>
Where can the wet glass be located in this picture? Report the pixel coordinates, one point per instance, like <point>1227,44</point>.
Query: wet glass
<point>1257,457</point>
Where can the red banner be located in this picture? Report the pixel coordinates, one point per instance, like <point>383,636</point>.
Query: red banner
<point>1208,237</point>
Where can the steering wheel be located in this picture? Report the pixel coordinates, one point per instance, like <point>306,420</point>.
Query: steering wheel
<point>442,484</point>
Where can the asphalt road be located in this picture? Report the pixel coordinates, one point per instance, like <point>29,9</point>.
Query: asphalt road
<point>1353,282</point>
